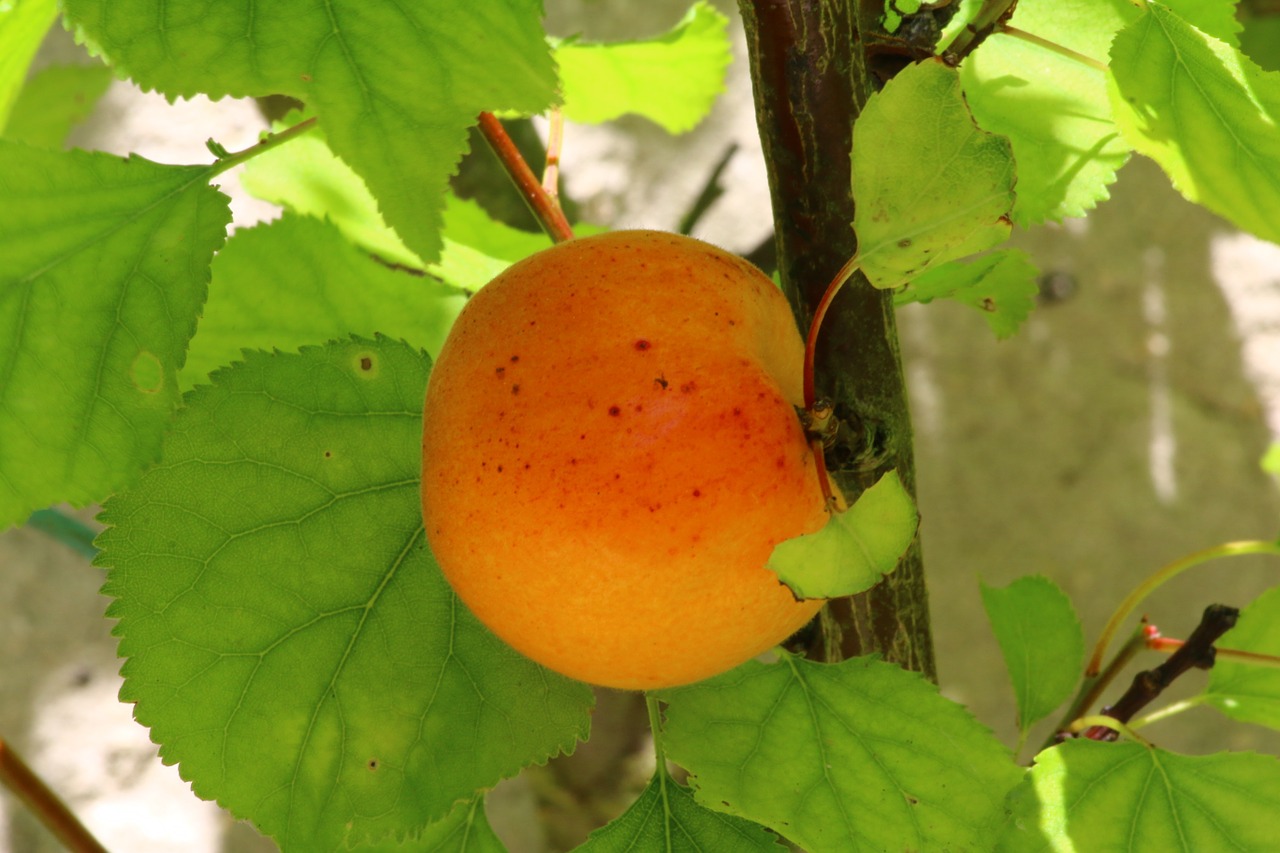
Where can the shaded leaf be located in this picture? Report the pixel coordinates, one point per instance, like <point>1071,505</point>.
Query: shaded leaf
<point>104,264</point>
<point>54,101</point>
<point>1002,285</point>
<point>855,549</point>
<point>396,85</point>
<point>290,641</point>
<point>295,281</point>
<point>665,818</point>
<point>855,756</point>
<point>1245,691</point>
<point>1205,112</point>
<point>671,79</point>
<point>1126,797</point>
<point>1042,641</point>
<point>940,191</point>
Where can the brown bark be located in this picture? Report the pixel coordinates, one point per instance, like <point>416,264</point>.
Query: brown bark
<point>812,75</point>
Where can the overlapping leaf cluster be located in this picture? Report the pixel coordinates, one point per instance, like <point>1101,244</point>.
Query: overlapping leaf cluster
<point>289,639</point>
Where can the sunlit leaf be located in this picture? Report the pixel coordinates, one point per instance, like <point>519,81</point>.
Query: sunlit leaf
<point>1242,690</point>
<point>296,281</point>
<point>1125,797</point>
<point>672,79</point>
<point>104,264</point>
<point>855,549</point>
<point>666,818</point>
<point>1042,641</point>
<point>941,190</point>
<point>860,755</point>
<point>396,85</point>
<point>290,641</point>
<point>1053,109</point>
<point>23,24</point>
<point>1002,285</point>
<point>1205,112</point>
<point>54,101</point>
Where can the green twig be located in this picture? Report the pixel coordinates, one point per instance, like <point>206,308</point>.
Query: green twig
<point>1053,46</point>
<point>271,140</point>
<point>1168,711</point>
<point>69,531</point>
<point>1108,723</point>
<point>1092,687</point>
<point>1160,577</point>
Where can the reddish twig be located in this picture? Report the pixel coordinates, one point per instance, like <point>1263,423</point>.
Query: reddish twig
<point>544,207</point>
<point>44,803</point>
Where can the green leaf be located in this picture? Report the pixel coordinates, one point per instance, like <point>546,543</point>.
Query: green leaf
<point>54,101</point>
<point>855,549</point>
<point>940,190</point>
<point>1085,795</point>
<point>672,79</point>
<point>296,281</point>
<point>666,818</point>
<point>465,830</point>
<point>1203,111</point>
<point>306,177</point>
<point>1000,284</point>
<point>104,264</point>
<point>860,755</point>
<point>290,641</point>
<point>396,85</point>
<point>1244,691</point>
<point>23,24</point>
<point>1261,40</point>
<point>1042,641</point>
<point>1053,109</point>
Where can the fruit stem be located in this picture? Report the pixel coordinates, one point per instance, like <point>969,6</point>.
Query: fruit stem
<point>810,397</point>
<point>810,346</point>
<point>544,207</point>
<point>1166,573</point>
<point>44,803</point>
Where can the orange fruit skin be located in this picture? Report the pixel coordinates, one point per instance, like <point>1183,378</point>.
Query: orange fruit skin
<point>610,454</point>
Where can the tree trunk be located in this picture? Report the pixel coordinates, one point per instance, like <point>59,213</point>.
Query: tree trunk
<point>812,75</point>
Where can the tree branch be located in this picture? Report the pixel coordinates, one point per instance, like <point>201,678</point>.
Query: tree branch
<point>811,80</point>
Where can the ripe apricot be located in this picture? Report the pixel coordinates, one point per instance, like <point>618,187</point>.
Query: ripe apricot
<point>611,452</point>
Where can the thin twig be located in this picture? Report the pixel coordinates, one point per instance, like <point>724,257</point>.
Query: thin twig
<point>1159,578</point>
<point>44,803</point>
<point>544,207</point>
<point>1092,687</point>
<point>268,142</point>
<point>1054,47</point>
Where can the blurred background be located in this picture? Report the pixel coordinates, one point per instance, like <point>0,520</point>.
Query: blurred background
<point>1121,428</point>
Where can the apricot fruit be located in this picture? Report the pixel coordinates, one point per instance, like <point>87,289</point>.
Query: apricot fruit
<point>611,451</point>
